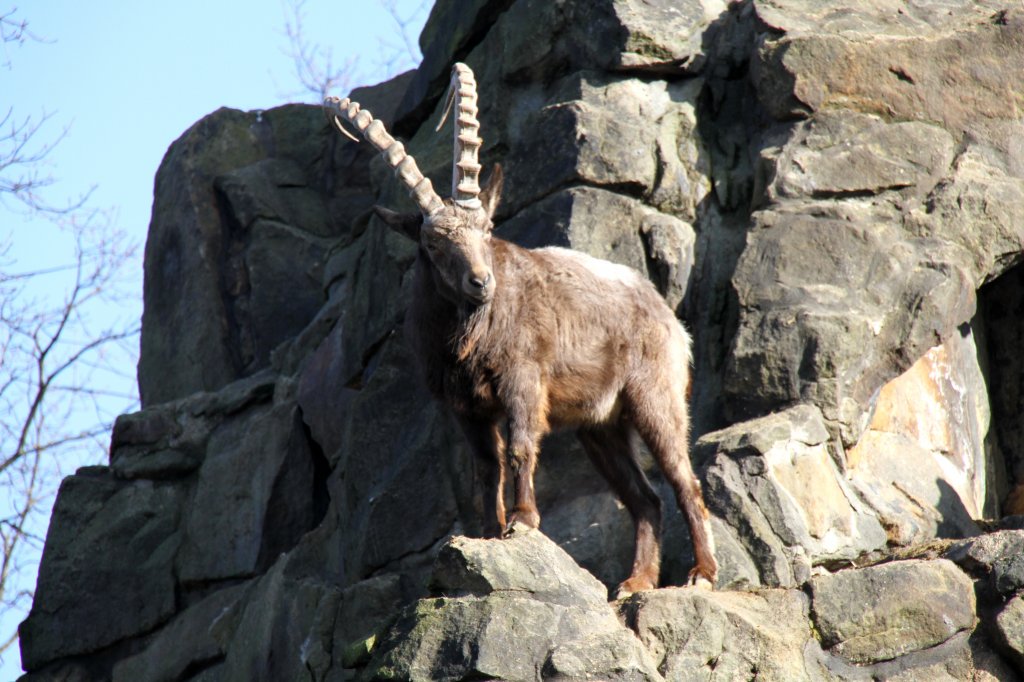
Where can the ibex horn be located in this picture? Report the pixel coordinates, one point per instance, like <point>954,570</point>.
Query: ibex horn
<point>465,167</point>
<point>393,151</point>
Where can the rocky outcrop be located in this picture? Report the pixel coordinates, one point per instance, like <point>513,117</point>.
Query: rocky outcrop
<point>774,484</point>
<point>517,609</point>
<point>830,196</point>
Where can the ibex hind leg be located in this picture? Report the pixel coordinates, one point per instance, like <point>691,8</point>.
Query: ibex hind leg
<point>659,414</point>
<point>611,450</point>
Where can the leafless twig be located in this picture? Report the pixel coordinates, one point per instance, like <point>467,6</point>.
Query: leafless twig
<point>55,412</point>
<point>313,64</point>
<point>402,51</point>
<point>23,170</point>
<point>314,67</point>
<point>14,31</point>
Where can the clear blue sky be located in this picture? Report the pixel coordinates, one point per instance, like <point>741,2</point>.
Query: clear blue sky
<point>129,77</point>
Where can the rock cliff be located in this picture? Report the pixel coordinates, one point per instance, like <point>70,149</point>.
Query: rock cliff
<point>830,195</point>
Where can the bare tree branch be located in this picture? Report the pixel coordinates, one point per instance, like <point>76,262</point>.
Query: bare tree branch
<point>51,408</point>
<point>14,31</point>
<point>55,407</point>
<point>23,172</point>
<point>402,51</point>
<point>313,64</point>
<point>314,69</point>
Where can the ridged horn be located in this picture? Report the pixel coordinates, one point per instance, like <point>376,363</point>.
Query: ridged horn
<point>393,151</point>
<point>465,165</point>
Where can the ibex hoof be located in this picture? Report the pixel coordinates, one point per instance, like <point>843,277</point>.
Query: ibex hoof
<point>516,527</point>
<point>633,585</point>
<point>525,518</point>
<point>700,580</point>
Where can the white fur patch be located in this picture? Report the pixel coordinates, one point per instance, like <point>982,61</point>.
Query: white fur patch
<point>612,272</point>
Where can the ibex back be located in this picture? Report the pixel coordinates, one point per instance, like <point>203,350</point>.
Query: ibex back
<point>519,342</point>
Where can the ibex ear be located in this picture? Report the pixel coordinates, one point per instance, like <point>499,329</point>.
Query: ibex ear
<point>406,224</point>
<point>491,193</point>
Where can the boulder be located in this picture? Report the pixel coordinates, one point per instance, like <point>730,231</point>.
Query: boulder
<point>532,565</point>
<point>699,635</point>
<point>1010,625</point>
<point>510,609</point>
<point>775,484</point>
<point>885,611</point>
<point>996,559</point>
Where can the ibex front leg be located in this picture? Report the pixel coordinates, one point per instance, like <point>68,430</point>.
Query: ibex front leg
<point>486,442</point>
<point>523,394</point>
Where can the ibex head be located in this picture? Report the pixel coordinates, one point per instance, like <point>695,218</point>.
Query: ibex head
<point>453,233</point>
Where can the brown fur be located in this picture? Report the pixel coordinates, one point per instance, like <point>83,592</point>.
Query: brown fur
<point>549,338</point>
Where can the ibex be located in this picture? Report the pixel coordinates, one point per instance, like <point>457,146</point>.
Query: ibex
<point>533,340</point>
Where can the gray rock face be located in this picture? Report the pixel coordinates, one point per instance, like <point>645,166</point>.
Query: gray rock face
<point>128,533</point>
<point>942,447</point>
<point>521,609</point>
<point>529,565</point>
<point>882,612</point>
<point>169,532</point>
<point>889,62</point>
<point>186,642</point>
<point>282,630</point>
<point>775,483</point>
<point>240,232</point>
<point>845,153</point>
<point>516,609</point>
<point>830,196</point>
<point>897,197</point>
<point>1010,623</point>
<point>696,635</point>
<point>260,461</point>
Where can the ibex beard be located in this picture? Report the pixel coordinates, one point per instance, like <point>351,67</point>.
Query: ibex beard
<point>519,342</point>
